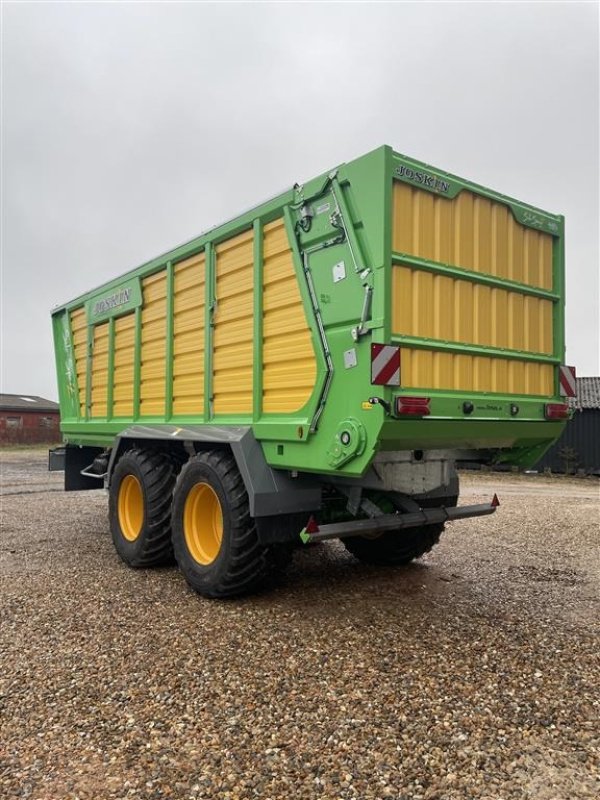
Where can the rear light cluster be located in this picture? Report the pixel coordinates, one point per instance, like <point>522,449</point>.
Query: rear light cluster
<point>413,406</point>
<point>556,411</point>
<point>419,407</point>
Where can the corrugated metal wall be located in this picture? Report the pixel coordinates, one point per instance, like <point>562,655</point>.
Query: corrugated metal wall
<point>233,355</point>
<point>289,360</point>
<point>290,367</point>
<point>123,371</point>
<point>470,232</point>
<point>188,335</point>
<point>153,345</point>
<point>475,234</point>
<point>582,438</point>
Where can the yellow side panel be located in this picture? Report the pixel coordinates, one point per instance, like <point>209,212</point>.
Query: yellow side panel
<point>439,307</point>
<point>99,377</point>
<point>188,335</point>
<point>153,344</point>
<point>233,326</point>
<point>427,369</point>
<point>289,363</point>
<point>123,367</point>
<point>79,333</point>
<point>470,232</point>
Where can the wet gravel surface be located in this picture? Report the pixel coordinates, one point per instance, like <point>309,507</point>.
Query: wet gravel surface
<point>473,673</point>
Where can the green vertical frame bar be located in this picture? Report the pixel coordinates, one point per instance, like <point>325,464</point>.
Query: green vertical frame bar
<point>209,289</point>
<point>110,378</point>
<point>73,361</point>
<point>388,224</point>
<point>257,364</point>
<point>558,317</point>
<point>137,363</point>
<point>169,343</point>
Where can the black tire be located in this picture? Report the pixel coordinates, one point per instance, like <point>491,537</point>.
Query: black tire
<point>150,477</point>
<point>398,548</point>
<point>232,563</point>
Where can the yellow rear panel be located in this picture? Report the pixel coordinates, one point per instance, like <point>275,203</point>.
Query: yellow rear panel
<point>440,307</point>
<point>290,366</point>
<point>431,369</point>
<point>233,326</point>
<point>472,233</point>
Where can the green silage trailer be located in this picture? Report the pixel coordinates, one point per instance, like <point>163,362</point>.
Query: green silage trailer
<point>315,369</point>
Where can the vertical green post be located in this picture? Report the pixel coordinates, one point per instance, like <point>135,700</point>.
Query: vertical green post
<point>137,362</point>
<point>110,381</point>
<point>169,343</point>
<point>386,283</point>
<point>257,365</point>
<point>209,289</point>
<point>70,356</point>
<point>558,309</point>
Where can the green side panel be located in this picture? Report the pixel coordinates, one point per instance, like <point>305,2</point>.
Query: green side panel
<point>339,226</point>
<point>68,394</point>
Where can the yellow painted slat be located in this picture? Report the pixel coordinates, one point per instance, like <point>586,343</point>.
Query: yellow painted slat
<point>80,337</point>
<point>153,344</point>
<point>289,362</point>
<point>234,356</point>
<point>79,332</point>
<point>187,342</point>
<point>123,367</point>
<point>471,232</point>
<point>455,310</point>
<point>427,369</point>
<point>188,320</point>
<point>188,335</point>
<point>233,326</point>
<point>78,319</point>
<point>187,363</point>
<point>99,372</point>
<point>153,369</point>
<point>291,346</point>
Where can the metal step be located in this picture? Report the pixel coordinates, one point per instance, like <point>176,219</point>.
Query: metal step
<point>393,522</point>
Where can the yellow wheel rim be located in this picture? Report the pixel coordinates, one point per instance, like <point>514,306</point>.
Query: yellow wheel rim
<point>131,507</point>
<point>203,523</point>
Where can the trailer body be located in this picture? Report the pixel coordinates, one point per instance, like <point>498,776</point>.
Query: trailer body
<point>369,327</point>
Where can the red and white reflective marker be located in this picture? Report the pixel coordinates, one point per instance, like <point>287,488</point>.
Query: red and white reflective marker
<point>568,381</point>
<point>385,365</point>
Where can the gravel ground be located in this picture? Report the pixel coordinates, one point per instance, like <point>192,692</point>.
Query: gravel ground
<point>473,673</point>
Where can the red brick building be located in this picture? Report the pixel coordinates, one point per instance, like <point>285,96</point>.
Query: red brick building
<point>28,419</point>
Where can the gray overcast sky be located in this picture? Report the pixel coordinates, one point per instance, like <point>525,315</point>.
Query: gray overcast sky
<point>129,128</point>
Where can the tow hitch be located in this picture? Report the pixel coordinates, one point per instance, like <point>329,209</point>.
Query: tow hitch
<point>393,522</point>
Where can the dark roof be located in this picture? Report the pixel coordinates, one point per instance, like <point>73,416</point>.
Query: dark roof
<point>588,394</point>
<point>26,402</point>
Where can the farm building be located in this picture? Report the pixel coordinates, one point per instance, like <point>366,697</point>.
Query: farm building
<point>28,419</point>
<point>578,449</point>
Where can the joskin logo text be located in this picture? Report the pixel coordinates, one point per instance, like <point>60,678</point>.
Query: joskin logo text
<point>430,181</point>
<point>112,301</point>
